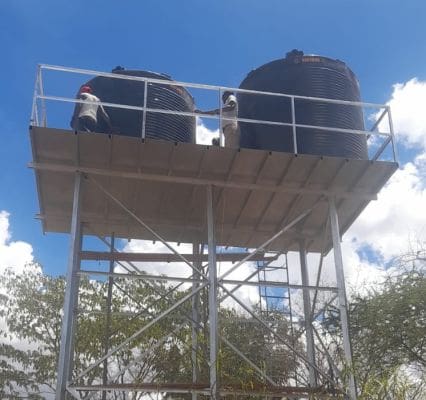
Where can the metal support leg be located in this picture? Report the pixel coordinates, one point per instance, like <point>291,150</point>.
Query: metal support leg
<point>195,302</point>
<point>108,319</point>
<point>344,320</point>
<point>71,296</point>
<point>310,348</point>
<point>213,312</point>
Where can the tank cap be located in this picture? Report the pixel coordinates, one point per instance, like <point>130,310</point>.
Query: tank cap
<point>118,68</point>
<point>294,54</point>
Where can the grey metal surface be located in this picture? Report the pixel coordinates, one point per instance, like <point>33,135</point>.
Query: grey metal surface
<point>340,280</point>
<point>310,348</point>
<point>255,192</point>
<point>213,295</point>
<point>65,361</point>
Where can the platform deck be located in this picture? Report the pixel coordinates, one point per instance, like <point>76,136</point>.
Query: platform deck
<point>255,191</point>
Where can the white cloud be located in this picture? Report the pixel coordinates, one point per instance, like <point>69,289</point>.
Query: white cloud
<point>407,103</point>
<point>388,226</point>
<point>205,135</point>
<point>397,217</point>
<point>13,254</point>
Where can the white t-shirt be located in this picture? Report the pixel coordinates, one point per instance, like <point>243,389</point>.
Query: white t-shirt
<point>232,114</point>
<point>89,110</point>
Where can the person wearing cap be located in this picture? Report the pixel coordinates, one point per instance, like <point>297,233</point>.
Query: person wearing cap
<point>229,121</point>
<point>85,117</point>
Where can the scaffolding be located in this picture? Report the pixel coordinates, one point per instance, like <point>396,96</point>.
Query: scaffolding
<point>207,197</point>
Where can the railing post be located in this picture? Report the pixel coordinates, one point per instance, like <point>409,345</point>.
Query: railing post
<point>293,124</point>
<point>221,135</point>
<point>43,102</point>
<point>145,97</point>
<point>34,111</point>
<point>392,133</point>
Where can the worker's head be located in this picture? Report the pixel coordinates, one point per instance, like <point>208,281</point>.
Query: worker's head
<point>226,95</point>
<point>86,89</point>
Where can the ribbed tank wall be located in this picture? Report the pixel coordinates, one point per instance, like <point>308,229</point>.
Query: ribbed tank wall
<point>160,96</point>
<point>311,76</point>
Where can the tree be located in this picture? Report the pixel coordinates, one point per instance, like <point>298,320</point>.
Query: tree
<point>387,328</point>
<point>31,306</point>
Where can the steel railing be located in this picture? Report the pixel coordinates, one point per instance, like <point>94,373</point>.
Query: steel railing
<point>39,109</point>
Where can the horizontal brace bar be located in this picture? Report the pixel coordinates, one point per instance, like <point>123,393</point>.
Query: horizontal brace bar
<point>319,392</point>
<point>140,276</point>
<point>198,181</point>
<point>278,284</point>
<point>168,257</point>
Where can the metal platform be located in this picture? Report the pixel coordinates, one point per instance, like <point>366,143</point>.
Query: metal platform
<point>256,192</point>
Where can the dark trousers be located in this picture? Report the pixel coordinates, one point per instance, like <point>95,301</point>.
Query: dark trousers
<point>86,124</point>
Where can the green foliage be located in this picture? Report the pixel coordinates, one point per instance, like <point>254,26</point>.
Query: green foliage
<point>31,307</point>
<point>388,332</point>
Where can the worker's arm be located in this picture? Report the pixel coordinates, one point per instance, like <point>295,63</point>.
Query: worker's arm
<point>104,115</point>
<point>216,111</point>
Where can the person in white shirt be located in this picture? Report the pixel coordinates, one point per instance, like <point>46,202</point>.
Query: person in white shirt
<point>85,117</point>
<point>229,121</point>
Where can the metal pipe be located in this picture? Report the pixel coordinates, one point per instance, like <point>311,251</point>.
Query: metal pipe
<point>195,304</point>
<point>138,276</point>
<point>279,337</point>
<point>394,150</point>
<point>192,114</point>
<point>310,347</point>
<point>149,229</point>
<point>279,284</point>
<point>71,298</point>
<point>34,111</point>
<point>293,122</point>
<point>340,280</point>
<point>139,332</point>
<point>43,103</point>
<point>263,246</point>
<point>213,305</point>
<point>145,97</point>
<point>203,86</point>
<point>108,317</point>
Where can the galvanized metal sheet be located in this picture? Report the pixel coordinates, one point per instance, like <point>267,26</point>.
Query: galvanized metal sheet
<point>256,192</point>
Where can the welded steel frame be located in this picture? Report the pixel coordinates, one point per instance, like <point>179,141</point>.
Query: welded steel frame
<point>199,280</point>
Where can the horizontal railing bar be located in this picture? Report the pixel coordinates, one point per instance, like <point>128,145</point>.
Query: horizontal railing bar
<point>204,86</point>
<point>192,114</point>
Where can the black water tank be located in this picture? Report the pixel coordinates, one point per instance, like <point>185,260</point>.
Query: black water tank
<point>160,96</point>
<point>311,76</point>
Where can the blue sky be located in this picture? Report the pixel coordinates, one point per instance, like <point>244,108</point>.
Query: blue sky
<point>384,43</point>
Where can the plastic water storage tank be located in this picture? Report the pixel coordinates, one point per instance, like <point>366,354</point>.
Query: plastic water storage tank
<point>304,75</point>
<point>160,96</point>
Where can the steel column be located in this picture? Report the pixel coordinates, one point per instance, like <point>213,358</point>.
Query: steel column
<point>340,278</point>
<point>310,348</point>
<point>213,303</point>
<point>195,303</point>
<point>108,316</point>
<point>71,297</point>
